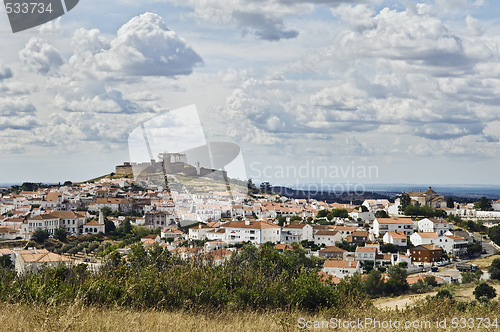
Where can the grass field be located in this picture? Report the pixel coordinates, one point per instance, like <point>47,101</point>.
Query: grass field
<point>15,317</point>
<point>484,263</point>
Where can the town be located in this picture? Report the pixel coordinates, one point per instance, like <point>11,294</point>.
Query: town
<point>419,231</point>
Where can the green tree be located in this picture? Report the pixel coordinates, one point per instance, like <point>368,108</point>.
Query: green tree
<point>340,213</point>
<point>40,235</point>
<point>494,269</point>
<point>468,277</point>
<point>404,201</point>
<point>484,292</point>
<point>6,262</point>
<point>373,283</point>
<point>362,208</point>
<point>322,213</point>
<point>60,234</point>
<point>281,221</point>
<point>449,202</point>
<point>381,214</point>
<point>109,226</point>
<point>106,211</point>
<point>397,283</point>
<point>494,234</point>
<point>483,204</point>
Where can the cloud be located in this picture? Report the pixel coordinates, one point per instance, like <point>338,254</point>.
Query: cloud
<point>40,56</point>
<point>17,113</point>
<point>263,26</point>
<point>5,71</point>
<point>144,46</point>
<point>263,19</point>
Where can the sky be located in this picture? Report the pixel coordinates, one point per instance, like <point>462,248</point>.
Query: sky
<point>327,91</point>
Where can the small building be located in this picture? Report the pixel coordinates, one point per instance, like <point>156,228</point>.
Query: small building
<point>395,238</point>
<point>34,259</point>
<point>332,252</point>
<point>384,225</point>
<point>341,269</point>
<point>327,237</point>
<point>366,253</point>
<point>358,237</point>
<point>425,254</point>
<point>423,238</point>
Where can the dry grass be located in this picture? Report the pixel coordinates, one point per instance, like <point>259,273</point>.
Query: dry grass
<point>484,263</point>
<point>15,317</point>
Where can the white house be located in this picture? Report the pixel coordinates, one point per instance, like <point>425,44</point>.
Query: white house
<point>217,234</point>
<point>310,229</point>
<point>419,238</point>
<point>383,225</point>
<point>199,232</point>
<point>257,231</point>
<point>172,232</point>
<point>375,205</point>
<point>342,268</point>
<point>366,253</point>
<point>345,231</point>
<point>454,245</point>
<point>396,238</point>
<point>292,233</point>
<point>33,260</point>
<point>440,226</point>
<point>327,237</point>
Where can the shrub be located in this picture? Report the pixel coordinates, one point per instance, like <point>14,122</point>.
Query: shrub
<point>484,292</point>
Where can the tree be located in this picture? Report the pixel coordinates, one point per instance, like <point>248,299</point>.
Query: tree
<point>109,226</point>
<point>339,213</point>
<point>281,221</point>
<point>494,269</point>
<point>106,211</point>
<point>474,247</point>
<point>494,234</point>
<point>6,261</point>
<point>389,247</point>
<point>322,213</point>
<point>468,277</point>
<point>373,283</point>
<point>40,235</point>
<point>483,204</point>
<point>397,283</point>
<point>381,214</point>
<point>404,201</point>
<point>484,292</point>
<point>363,208</point>
<point>60,234</point>
<point>449,202</point>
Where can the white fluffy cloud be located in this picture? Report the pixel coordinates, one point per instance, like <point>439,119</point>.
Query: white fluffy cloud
<point>264,19</point>
<point>144,46</point>
<point>40,57</point>
<point>5,71</point>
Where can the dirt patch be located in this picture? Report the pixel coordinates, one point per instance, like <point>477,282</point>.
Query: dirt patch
<point>462,293</point>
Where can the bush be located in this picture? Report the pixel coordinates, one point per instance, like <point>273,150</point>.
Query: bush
<point>40,235</point>
<point>494,269</point>
<point>468,277</point>
<point>484,292</point>
<point>60,234</point>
